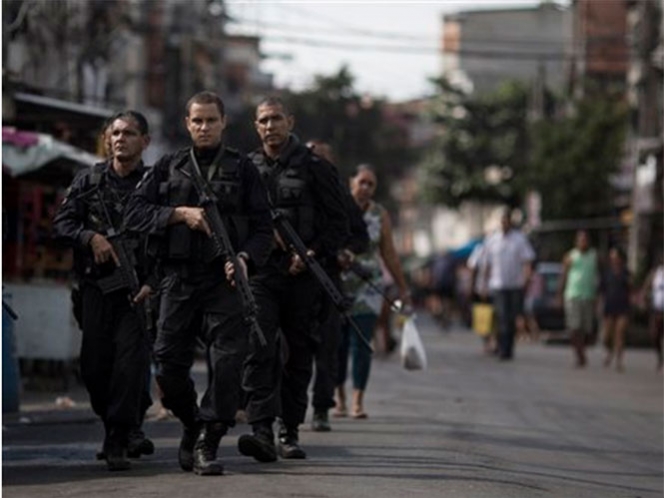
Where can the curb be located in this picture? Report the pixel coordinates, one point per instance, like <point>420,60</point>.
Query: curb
<point>49,417</point>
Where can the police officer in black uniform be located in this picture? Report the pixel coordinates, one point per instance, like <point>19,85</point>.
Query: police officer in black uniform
<point>308,194</point>
<point>326,353</point>
<point>197,297</point>
<point>114,350</point>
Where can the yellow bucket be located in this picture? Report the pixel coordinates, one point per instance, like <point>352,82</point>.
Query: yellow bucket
<point>482,319</point>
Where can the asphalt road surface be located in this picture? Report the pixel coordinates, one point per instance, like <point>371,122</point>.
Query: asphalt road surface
<point>468,426</point>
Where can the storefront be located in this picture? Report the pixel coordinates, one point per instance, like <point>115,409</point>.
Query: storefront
<point>36,170</point>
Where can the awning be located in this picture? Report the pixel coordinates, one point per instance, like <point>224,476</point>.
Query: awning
<point>464,251</point>
<point>24,152</point>
<point>57,106</point>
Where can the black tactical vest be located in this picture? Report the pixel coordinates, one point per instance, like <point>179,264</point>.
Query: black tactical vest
<point>104,214</point>
<point>289,189</point>
<point>181,242</point>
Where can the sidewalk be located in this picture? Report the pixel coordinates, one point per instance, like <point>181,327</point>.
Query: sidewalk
<point>45,407</point>
<point>72,406</point>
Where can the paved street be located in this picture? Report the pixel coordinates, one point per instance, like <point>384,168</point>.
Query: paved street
<point>468,426</point>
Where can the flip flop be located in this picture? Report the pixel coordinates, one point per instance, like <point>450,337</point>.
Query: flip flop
<point>360,415</point>
<point>339,413</point>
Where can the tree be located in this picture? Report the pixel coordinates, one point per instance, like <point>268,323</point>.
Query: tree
<point>482,150</point>
<point>573,158</point>
<point>354,125</point>
<point>490,151</point>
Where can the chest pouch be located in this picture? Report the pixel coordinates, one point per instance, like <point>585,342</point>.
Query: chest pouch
<point>290,190</point>
<point>227,192</point>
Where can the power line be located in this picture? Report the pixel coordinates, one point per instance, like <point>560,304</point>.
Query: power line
<point>424,50</point>
<point>341,29</point>
<point>353,29</point>
<point>333,32</point>
<point>329,31</point>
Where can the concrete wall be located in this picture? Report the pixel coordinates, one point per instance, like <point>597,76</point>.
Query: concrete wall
<point>495,45</point>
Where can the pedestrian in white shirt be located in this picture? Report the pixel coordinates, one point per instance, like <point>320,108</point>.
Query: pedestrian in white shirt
<point>509,257</point>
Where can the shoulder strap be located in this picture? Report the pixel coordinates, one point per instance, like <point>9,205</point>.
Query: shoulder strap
<point>178,160</point>
<point>96,175</point>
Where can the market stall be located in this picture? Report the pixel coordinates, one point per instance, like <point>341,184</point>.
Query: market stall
<point>36,170</point>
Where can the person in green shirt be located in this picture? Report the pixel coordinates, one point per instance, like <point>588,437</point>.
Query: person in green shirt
<point>578,286</point>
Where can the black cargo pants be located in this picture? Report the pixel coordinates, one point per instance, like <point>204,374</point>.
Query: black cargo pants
<point>201,305</point>
<point>276,378</point>
<point>114,356</point>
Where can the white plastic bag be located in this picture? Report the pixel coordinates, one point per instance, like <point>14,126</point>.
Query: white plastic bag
<point>413,356</point>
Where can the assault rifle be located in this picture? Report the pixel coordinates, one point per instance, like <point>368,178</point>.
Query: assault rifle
<point>127,276</point>
<point>294,242</point>
<point>366,275</point>
<point>208,201</point>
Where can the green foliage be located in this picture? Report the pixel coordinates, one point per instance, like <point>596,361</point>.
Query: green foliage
<point>573,158</point>
<point>482,150</point>
<point>490,151</point>
<point>354,125</point>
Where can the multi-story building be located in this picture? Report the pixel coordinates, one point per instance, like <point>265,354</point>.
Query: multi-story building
<point>113,54</point>
<point>599,55</point>
<point>483,48</point>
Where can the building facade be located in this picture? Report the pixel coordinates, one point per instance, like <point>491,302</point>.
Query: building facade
<point>482,48</point>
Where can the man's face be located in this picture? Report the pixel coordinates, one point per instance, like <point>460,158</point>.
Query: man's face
<point>127,142</point>
<point>205,125</point>
<point>505,223</point>
<point>273,125</point>
<point>582,241</point>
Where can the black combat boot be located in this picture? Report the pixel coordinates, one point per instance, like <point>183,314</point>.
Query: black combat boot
<point>115,449</point>
<point>260,444</point>
<point>139,444</point>
<point>205,451</point>
<point>321,421</point>
<point>289,448</point>
<point>187,443</point>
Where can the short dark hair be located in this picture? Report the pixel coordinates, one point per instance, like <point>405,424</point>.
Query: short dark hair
<point>274,100</point>
<point>130,114</point>
<point>207,97</point>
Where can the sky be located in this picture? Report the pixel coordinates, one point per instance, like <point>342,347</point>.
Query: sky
<point>391,47</point>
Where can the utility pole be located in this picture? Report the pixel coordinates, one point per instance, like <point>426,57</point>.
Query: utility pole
<point>645,96</point>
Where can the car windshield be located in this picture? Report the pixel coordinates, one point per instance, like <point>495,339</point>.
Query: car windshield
<point>551,283</point>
